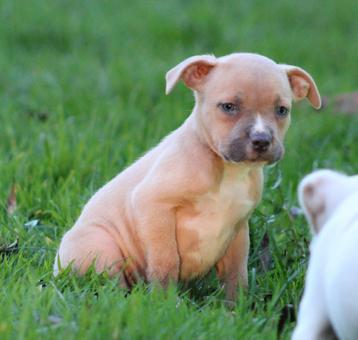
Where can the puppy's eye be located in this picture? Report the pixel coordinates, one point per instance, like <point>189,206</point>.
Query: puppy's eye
<point>229,108</point>
<point>282,111</point>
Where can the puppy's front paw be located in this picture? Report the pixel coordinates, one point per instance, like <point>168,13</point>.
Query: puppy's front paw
<point>163,272</point>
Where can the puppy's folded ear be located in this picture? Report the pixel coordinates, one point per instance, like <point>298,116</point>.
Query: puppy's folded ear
<point>192,71</point>
<point>311,205</point>
<point>302,85</point>
<point>312,202</point>
<point>320,193</point>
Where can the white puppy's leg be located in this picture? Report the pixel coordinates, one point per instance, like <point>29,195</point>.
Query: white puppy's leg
<point>313,322</point>
<point>342,286</point>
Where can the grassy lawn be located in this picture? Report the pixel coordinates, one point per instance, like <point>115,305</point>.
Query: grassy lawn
<point>82,96</point>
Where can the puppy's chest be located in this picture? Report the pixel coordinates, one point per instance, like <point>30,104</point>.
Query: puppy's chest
<point>205,229</point>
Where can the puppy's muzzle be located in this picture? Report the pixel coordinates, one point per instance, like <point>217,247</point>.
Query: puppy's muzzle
<point>255,146</point>
<point>261,141</point>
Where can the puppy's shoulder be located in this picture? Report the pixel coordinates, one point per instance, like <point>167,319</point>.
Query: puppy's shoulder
<point>183,167</point>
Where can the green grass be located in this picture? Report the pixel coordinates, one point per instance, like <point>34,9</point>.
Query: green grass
<point>82,96</point>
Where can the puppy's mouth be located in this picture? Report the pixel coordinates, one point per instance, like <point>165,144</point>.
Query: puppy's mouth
<point>244,152</point>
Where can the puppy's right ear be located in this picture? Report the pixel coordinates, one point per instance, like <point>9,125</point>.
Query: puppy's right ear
<point>192,71</point>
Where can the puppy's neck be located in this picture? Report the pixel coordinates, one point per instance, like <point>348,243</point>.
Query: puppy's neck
<point>199,129</point>
<point>194,126</point>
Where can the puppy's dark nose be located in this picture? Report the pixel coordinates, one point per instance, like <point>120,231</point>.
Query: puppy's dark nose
<point>261,141</point>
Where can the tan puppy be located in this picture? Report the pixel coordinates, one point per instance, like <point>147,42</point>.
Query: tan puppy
<point>184,206</point>
<point>329,307</point>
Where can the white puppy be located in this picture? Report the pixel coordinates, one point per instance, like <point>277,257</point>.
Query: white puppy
<point>329,307</point>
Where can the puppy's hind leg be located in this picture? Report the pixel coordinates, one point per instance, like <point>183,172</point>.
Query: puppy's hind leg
<point>82,248</point>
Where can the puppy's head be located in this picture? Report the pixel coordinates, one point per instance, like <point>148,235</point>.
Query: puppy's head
<point>321,192</point>
<point>243,102</point>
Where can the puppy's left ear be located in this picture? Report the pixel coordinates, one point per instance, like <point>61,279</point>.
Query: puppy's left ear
<point>192,71</point>
<point>302,85</point>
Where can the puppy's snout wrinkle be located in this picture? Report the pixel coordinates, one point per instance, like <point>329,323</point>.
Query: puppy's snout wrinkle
<point>261,141</point>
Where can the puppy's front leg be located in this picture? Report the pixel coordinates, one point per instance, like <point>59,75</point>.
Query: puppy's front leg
<point>232,267</point>
<point>155,226</point>
<point>161,247</point>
